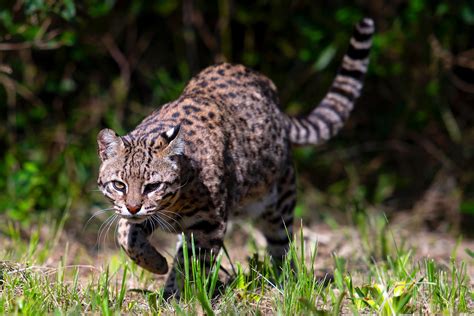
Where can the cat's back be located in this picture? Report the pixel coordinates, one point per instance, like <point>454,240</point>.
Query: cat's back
<point>246,102</point>
<point>222,96</point>
<point>227,103</point>
<point>234,85</point>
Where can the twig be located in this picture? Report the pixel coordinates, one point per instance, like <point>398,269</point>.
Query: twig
<point>188,34</point>
<point>432,150</point>
<point>203,31</point>
<point>119,58</point>
<point>15,46</point>
<point>464,60</point>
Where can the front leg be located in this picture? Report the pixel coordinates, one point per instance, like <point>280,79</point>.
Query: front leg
<point>208,237</point>
<point>133,238</point>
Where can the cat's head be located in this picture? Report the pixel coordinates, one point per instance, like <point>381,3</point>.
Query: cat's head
<point>140,176</point>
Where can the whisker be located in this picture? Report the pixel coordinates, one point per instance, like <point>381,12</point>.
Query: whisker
<point>103,227</point>
<point>101,230</point>
<point>99,212</point>
<point>156,221</point>
<point>173,213</point>
<point>160,222</point>
<point>171,218</point>
<point>151,223</point>
<point>103,224</point>
<point>164,210</point>
<point>117,246</point>
<point>108,229</point>
<point>164,224</point>
<point>111,223</point>
<point>176,224</point>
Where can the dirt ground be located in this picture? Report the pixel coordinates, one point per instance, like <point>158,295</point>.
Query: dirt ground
<point>243,241</point>
<point>80,247</point>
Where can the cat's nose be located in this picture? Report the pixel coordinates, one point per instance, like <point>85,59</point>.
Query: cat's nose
<point>133,209</point>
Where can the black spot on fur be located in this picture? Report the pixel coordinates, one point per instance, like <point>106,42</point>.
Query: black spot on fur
<point>191,108</point>
<point>187,122</point>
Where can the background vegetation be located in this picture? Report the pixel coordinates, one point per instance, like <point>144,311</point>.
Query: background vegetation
<point>70,68</point>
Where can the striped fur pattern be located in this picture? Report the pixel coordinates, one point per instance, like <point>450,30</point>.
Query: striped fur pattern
<point>329,116</point>
<point>222,150</point>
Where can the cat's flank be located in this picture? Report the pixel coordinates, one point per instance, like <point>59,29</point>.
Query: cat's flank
<point>222,150</point>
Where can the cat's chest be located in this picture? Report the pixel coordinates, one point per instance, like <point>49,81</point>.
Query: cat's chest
<point>255,206</point>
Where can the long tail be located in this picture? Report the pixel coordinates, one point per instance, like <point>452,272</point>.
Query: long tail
<point>329,116</point>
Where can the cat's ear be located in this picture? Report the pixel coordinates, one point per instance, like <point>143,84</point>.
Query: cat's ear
<point>171,142</point>
<point>109,144</point>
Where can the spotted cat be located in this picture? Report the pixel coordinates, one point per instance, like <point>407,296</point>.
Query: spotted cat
<point>222,150</point>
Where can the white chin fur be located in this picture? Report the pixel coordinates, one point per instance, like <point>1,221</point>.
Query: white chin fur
<point>134,220</point>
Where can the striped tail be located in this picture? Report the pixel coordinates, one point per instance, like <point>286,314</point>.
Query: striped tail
<point>329,116</point>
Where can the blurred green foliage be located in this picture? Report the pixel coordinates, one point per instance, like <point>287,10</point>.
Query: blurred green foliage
<point>69,68</point>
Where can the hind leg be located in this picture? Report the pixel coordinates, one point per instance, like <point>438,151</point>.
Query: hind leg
<point>276,222</point>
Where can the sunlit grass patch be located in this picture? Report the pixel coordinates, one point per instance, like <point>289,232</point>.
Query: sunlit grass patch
<point>387,279</point>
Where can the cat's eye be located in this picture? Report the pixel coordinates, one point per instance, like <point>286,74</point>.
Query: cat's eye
<point>118,185</point>
<point>150,187</point>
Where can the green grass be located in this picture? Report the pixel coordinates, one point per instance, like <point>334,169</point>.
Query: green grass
<point>39,276</point>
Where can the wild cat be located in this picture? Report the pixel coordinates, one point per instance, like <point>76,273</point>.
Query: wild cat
<point>222,150</point>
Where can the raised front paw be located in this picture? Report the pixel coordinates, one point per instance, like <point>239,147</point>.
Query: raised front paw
<point>133,240</point>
